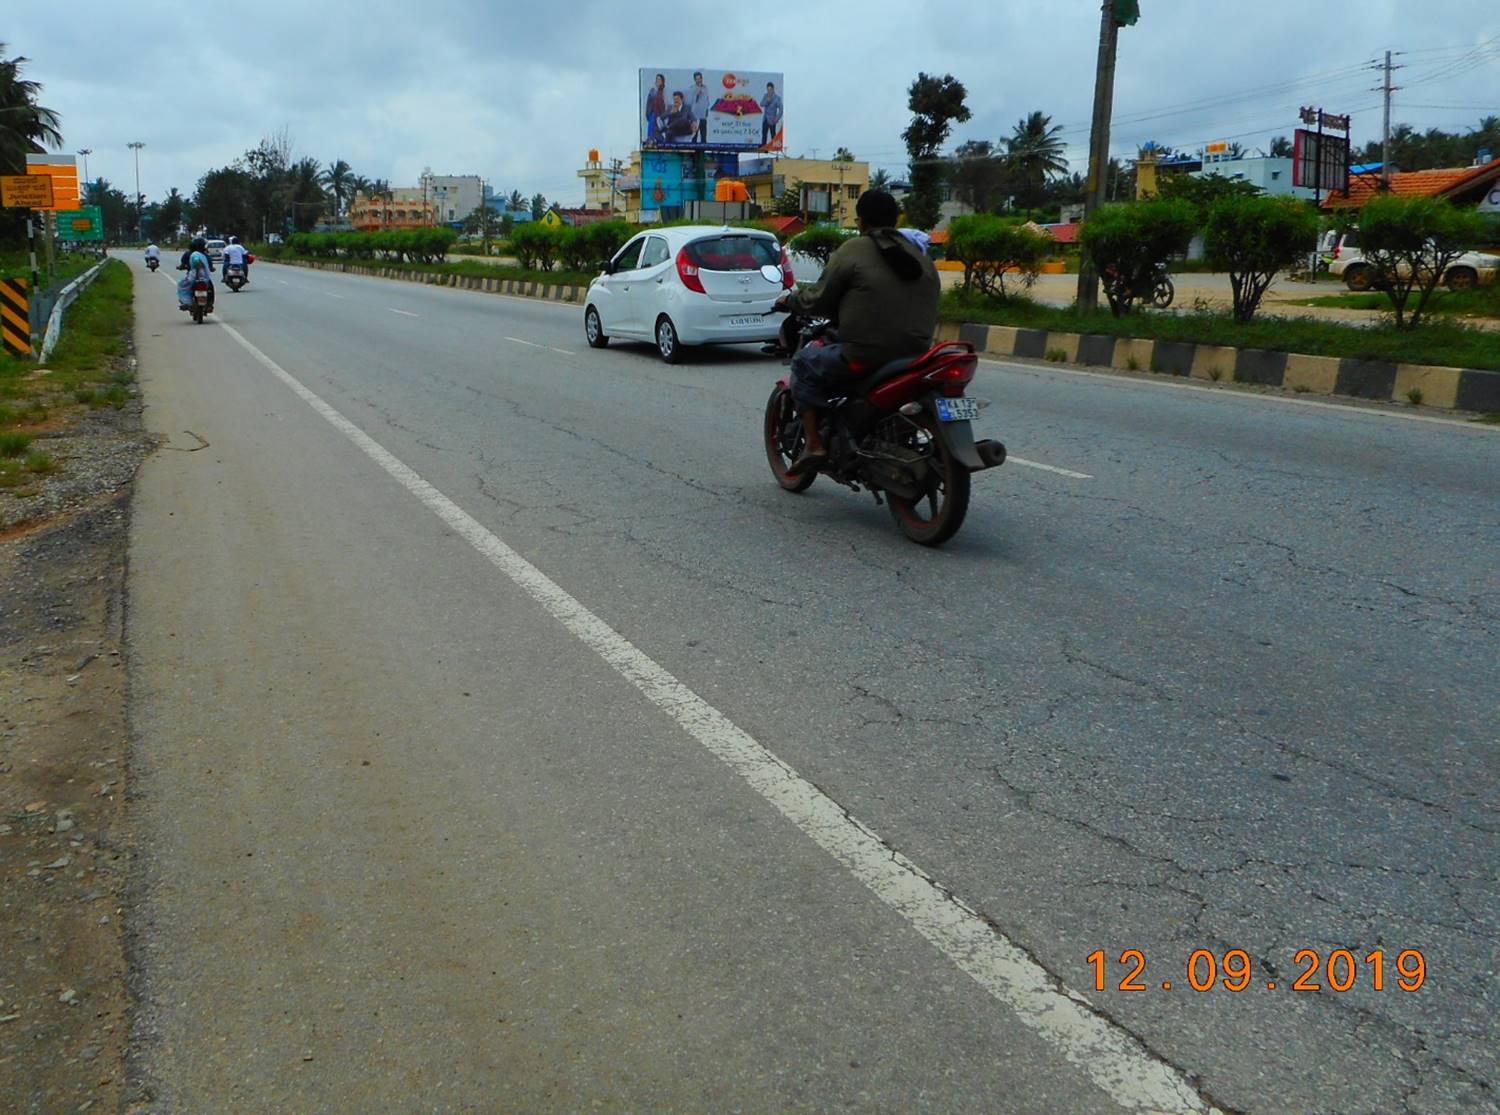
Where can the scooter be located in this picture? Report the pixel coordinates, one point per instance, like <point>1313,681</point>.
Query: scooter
<point>152,263</point>
<point>235,276</point>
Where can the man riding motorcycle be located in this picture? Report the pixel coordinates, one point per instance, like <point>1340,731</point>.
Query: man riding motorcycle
<point>153,253</point>
<point>235,256</point>
<point>882,292</point>
<point>199,268</point>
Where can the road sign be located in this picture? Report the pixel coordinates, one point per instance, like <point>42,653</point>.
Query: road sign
<point>25,191</point>
<point>63,170</point>
<point>86,223</point>
<point>1320,161</point>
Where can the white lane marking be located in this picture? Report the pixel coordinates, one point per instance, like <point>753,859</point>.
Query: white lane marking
<point>1013,460</point>
<point>564,351</point>
<point>330,294</point>
<point>1112,1058</point>
<point>1245,396</point>
<point>283,282</point>
<point>529,344</point>
<point>406,313</point>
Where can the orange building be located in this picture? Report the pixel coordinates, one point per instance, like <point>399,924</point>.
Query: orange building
<point>404,207</point>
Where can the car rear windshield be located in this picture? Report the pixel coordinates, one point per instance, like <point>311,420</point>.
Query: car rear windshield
<point>1351,240</point>
<point>734,253</point>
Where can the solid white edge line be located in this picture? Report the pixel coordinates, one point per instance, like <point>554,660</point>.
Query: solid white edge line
<point>1011,459</point>
<point>406,313</point>
<point>1243,396</point>
<point>1113,1059</point>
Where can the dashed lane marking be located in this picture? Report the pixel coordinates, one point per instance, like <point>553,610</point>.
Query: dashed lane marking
<point>403,313</point>
<point>1024,463</point>
<point>1112,1058</point>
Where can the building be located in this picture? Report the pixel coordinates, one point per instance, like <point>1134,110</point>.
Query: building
<point>454,196</point>
<point>829,188</point>
<point>403,207</point>
<point>580,217</point>
<point>1273,176</point>
<point>1477,185</point>
<point>601,183</point>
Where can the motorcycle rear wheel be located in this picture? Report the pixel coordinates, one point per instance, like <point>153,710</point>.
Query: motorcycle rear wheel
<point>197,315</point>
<point>785,438</point>
<point>935,518</point>
<point>1163,293</point>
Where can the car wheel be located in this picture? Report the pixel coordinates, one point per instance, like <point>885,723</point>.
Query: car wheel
<point>1461,278</point>
<point>1358,278</point>
<point>668,344</point>
<point>593,328</point>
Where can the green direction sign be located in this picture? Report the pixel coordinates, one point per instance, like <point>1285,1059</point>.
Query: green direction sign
<point>86,223</point>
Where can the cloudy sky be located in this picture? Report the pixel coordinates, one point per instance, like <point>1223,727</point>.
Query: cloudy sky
<point>518,93</point>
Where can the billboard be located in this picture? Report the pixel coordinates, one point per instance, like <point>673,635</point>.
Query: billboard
<point>707,110</point>
<point>1320,161</point>
<point>671,179</point>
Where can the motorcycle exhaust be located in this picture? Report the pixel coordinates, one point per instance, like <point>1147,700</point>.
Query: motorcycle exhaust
<point>991,452</point>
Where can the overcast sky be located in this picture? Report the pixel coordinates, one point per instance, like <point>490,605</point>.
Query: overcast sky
<point>518,93</point>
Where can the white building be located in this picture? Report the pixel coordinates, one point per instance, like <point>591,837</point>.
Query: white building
<point>453,196</point>
<point>1273,176</point>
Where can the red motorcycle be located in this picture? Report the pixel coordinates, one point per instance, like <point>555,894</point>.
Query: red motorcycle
<point>905,436</point>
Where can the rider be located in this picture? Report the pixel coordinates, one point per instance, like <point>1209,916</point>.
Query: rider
<point>153,252</point>
<point>234,253</point>
<point>881,291</point>
<point>199,267</point>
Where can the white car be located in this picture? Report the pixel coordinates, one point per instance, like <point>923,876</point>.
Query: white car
<point>690,285</point>
<point>216,250</point>
<point>1464,273</point>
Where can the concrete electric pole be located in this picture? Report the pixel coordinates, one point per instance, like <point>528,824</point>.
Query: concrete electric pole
<point>136,147</point>
<point>1386,88</point>
<point>1104,99</point>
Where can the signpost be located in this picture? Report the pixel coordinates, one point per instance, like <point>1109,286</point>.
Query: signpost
<point>86,223</point>
<point>62,170</point>
<point>1320,161</point>
<point>25,191</point>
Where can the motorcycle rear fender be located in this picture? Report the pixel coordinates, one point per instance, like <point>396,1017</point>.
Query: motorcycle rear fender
<point>958,436</point>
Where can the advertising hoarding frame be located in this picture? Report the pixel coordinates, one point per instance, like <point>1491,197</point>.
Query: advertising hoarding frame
<point>730,110</point>
<point>1320,161</point>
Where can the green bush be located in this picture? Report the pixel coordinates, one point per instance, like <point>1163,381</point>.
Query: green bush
<point>1409,243</point>
<point>535,245</point>
<point>574,249</point>
<point>820,242</point>
<point>1126,240</point>
<point>606,238</point>
<point>988,246</point>
<point>1253,238</point>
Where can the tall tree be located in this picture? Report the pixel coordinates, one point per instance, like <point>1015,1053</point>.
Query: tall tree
<point>338,177</point>
<point>843,155</point>
<point>516,201</point>
<point>224,202</point>
<point>170,215</point>
<point>880,179</point>
<point>114,207</point>
<point>979,175</point>
<point>936,104</point>
<point>26,128</point>
<point>1036,154</point>
<point>305,194</point>
<point>1281,148</point>
<point>538,207</point>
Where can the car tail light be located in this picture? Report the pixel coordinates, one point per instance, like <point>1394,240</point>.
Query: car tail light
<point>1336,251</point>
<point>787,279</point>
<point>687,271</point>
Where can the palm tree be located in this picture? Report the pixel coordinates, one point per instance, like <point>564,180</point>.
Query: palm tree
<point>25,126</point>
<point>1036,153</point>
<point>338,177</point>
<point>307,197</point>
<point>516,201</point>
<point>843,155</point>
<point>880,180</point>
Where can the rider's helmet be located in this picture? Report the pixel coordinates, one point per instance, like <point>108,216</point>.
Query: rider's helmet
<point>234,239</point>
<point>200,244</point>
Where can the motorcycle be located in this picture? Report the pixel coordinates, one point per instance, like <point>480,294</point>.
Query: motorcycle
<point>200,306</point>
<point>152,263</point>
<point>235,276</point>
<point>1157,289</point>
<point>906,436</point>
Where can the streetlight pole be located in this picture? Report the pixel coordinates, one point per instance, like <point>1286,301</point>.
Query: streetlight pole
<point>85,152</point>
<point>136,147</point>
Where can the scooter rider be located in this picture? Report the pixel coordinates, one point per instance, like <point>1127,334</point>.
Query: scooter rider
<point>153,252</point>
<point>234,255</point>
<point>199,268</point>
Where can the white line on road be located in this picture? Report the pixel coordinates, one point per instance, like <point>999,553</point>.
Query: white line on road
<point>1013,460</point>
<point>530,344</point>
<point>330,294</point>
<point>1111,1057</point>
<point>564,351</point>
<point>406,313</point>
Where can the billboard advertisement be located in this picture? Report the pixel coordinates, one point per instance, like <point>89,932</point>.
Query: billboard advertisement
<point>1320,161</point>
<point>707,110</point>
<point>671,179</point>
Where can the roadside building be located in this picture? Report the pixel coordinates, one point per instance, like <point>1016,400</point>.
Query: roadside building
<point>1477,186</point>
<point>828,188</point>
<point>601,184</point>
<point>453,196</point>
<point>1273,176</point>
<point>402,207</point>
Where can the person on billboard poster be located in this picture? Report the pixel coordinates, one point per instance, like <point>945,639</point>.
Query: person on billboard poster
<point>699,100</point>
<point>770,107</point>
<point>656,106</point>
<point>678,125</point>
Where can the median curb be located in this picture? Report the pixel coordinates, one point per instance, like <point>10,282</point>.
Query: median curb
<point>519,288</point>
<point>1384,381</point>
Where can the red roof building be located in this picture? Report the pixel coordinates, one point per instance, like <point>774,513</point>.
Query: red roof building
<point>1459,184</point>
<point>785,227</point>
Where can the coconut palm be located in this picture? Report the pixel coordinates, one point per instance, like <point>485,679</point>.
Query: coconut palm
<point>1036,154</point>
<point>880,180</point>
<point>338,178</point>
<point>26,128</point>
<point>307,198</point>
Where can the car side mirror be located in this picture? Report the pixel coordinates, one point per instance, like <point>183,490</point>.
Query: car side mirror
<point>607,266</point>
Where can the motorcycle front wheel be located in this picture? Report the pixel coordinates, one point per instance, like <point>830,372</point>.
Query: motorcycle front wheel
<point>1163,293</point>
<point>936,517</point>
<point>785,438</point>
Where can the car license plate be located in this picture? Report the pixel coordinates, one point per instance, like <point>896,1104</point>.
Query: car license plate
<point>745,321</point>
<point>957,410</point>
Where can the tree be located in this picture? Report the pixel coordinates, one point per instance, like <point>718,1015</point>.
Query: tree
<point>843,155</point>
<point>538,207</point>
<point>516,202</point>
<point>979,175</point>
<point>225,200</point>
<point>820,242</point>
<point>338,177</point>
<point>1125,241</point>
<point>114,208</point>
<point>305,195</point>
<point>880,180</point>
<point>1409,242</point>
<point>170,215</point>
<point>989,246</point>
<point>936,103</point>
<point>1253,238</point>
<point>1202,192</point>
<point>1036,154</point>
<point>789,204</point>
<point>26,128</point>
<point>1281,148</point>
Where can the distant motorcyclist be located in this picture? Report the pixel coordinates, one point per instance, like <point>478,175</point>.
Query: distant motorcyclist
<point>153,252</point>
<point>199,268</point>
<point>235,255</point>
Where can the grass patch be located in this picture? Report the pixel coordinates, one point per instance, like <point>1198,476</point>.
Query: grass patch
<point>40,463</point>
<point>1447,343</point>
<point>1480,302</point>
<point>1057,355</point>
<point>15,263</point>
<point>476,268</point>
<point>13,445</point>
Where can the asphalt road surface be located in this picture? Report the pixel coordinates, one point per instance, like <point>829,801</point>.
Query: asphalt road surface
<point>505,739</point>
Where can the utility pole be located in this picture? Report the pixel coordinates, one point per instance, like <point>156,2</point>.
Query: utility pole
<point>1385,131</point>
<point>1104,101</point>
<point>136,147</point>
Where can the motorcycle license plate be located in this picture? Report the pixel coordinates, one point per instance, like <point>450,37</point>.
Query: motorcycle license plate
<point>957,410</point>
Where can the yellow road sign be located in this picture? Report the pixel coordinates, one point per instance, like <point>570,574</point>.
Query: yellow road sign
<point>26,191</point>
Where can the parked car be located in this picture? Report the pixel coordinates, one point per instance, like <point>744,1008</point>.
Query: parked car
<point>689,285</point>
<point>1467,271</point>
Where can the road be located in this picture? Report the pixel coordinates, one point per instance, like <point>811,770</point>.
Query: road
<point>505,739</point>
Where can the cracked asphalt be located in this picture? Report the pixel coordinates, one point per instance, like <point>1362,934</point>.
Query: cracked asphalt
<point>404,841</point>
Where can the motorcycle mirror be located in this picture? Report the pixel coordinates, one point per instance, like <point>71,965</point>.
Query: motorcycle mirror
<point>771,273</point>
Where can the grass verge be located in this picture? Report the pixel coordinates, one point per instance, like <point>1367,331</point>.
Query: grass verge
<point>1446,343</point>
<point>473,268</point>
<point>1480,302</point>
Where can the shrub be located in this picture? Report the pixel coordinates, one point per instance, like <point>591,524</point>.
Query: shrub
<point>535,245</point>
<point>13,445</point>
<point>1125,241</point>
<point>1409,243</point>
<point>819,242</point>
<point>574,249</point>
<point>988,245</point>
<point>1253,238</point>
<point>606,238</point>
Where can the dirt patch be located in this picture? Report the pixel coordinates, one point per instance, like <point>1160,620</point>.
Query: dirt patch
<point>64,998</point>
